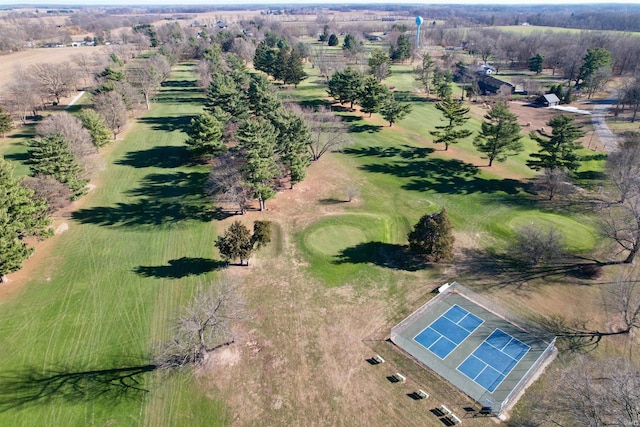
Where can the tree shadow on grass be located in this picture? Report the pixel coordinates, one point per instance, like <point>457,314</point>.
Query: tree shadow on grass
<point>165,200</point>
<point>445,176</point>
<point>17,157</point>
<point>368,128</point>
<point>180,83</point>
<point>168,124</point>
<point>33,386</point>
<point>490,269</point>
<point>165,156</point>
<point>181,267</point>
<point>404,151</point>
<point>386,255</point>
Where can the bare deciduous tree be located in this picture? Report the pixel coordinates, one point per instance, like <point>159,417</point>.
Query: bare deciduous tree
<point>55,193</point>
<point>111,106</point>
<point>226,183</point>
<point>328,132</point>
<point>70,127</point>
<point>204,326</point>
<point>54,80</point>
<point>623,167</point>
<point>554,182</point>
<point>585,392</point>
<point>534,244</point>
<point>23,98</point>
<point>148,76</point>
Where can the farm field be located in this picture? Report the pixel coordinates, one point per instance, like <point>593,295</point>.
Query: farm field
<point>321,298</point>
<point>529,29</point>
<point>29,57</point>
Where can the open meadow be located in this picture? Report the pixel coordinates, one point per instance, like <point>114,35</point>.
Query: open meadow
<point>80,323</point>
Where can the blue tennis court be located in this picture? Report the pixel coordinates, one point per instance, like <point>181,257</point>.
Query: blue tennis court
<point>492,360</point>
<point>445,333</point>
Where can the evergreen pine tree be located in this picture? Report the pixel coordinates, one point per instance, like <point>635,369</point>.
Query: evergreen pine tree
<point>235,243</point>
<point>499,135</point>
<point>292,144</point>
<point>94,124</point>
<point>372,95</point>
<point>52,156</point>
<point>262,100</point>
<point>432,237</point>
<point>557,150</point>
<point>257,143</point>
<point>205,136</point>
<point>455,115</point>
<point>6,122</point>
<point>21,215</point>
<point>394,111</point>
<point>294,71</point>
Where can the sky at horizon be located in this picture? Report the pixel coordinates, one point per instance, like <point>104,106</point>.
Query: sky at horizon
<point>322,2</point>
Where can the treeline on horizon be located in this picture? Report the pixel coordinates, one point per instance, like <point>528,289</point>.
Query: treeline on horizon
<point>602,16</point>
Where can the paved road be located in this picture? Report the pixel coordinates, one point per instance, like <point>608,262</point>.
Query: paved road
<point>600,109</point>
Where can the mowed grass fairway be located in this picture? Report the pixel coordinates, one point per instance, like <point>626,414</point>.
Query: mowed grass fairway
<point>134,253</point>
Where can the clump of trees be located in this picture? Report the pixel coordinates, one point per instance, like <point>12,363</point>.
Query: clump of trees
<point>267,142</point>
<point>351,87</point>
<point>432,237</point>
<point>21,215</point>
<point>275,57</point>
<point>237,242</point>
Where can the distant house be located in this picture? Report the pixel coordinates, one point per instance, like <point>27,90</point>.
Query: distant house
<point>490,85</point>
<point>548,100</point>
<point>486,69</point>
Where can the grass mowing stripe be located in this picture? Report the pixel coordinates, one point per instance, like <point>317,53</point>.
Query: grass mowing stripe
<point>88,307</point>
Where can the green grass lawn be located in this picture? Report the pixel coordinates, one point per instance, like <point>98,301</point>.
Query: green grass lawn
<point>135,251</point>
<point>405,178</point>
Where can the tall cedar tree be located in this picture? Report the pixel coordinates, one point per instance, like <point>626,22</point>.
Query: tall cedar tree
<point>372,95</point>
<point>292,144</point>
<point>52,156</point>
<point>426,73</point>
<point>294,69</point>
<point>6,122</point>
<point>262,100</point>
<point>432,237</point>
<point>499,136</point>
<point>535,63</point>
<point>402,49</point>
<point>345,86</point>
<point>261,234</point>
<point>455,115</point>
<point>557,150</point>
<point>21,215</point>
<point>333,40</point>
<point>224,93</point>
<point>94,123</point>
<point>394,111</point>
<point>235,243</point>
<point>257,143</point>
<point>205,136</point>
<point>379,64</point>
